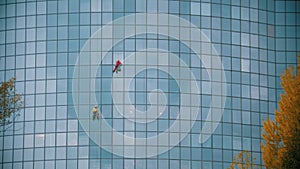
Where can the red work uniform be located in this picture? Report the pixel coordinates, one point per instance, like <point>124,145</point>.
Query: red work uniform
<point>118,63</point>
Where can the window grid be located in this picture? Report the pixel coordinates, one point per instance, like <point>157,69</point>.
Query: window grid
<point>39,44</point>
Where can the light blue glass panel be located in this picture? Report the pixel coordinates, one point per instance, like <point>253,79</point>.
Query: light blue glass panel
<point>28,141</point>
<point>10,36</point>
<point>255,144</point>
<point>18,154</point>
<point>85,6</point>
<point>253,15</point>
<point>236,77</point>
<point>236,65</point>
<point>2,24</point>
<point>28,157</point>
<point>130,5</point>
<point>83,164</point>
<point>216,24</point>
<point>291,44</point>
<point>21,9</point>
<point>63,6</point>
<point>226,37</point>
<point>10,23</point>
<point>107,5</point>
<point>141,6</point>
<point>10,10</point>
<point>245,26</point>
<point>130,44</point>
<point>206,23</point>
<point>73,19</point>
<point>235,12</point>
<point>235,25</point>
<point>216,10</point>
<point>237,143</point>
<point>226,11</point>
<point>50,164</point>
<point>18,141</point>
<point>290,31</point>
<point>254,28</point>
<point>118,5</point>
<point>217,155</point>
<point>205,9</point>
<point>227,142</point>
<point>31,8</point>
<point>245,13</point>
<point>62,19</point>
<point>280,6</point>
<point>279,18</point>
<point>152,6</point>
<point>207,154</point>
<point>173,6</point>
<point>227,156</point>
<point>236,38</point>
<point>74,6</point>
<point>106,18</point>
<point>30,34</point>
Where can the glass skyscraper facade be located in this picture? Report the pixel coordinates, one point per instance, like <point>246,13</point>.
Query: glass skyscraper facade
<point>198,79</point>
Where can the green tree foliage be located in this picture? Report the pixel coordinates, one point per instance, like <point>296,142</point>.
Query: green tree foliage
<point>281,145</point>
<point>242,161</point>
<point>10,104</point>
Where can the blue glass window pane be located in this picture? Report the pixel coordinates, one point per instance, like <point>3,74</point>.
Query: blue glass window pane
<point>235,12</point>
<point>245,13</point>
<point>205,9</point>
<point>173,6</point>
<point>184,7</point>
<point>74,6</point>
<point>206,23</point>
<point>216,10</point>
<point>130,5</point>
<point>41,34</point>
<point>20,9</point>
<point>236,38</point>
<point>217,155</point>
<point>107,5</point>
<point>226,11</point>
<point>141,98</point>
<point>152,6</point>
<point>62,19</point>
<point>140,5</point>
<point>10,10</point>
<point>206,154</point>
<point>237,143</point>
<point>227,142</point>
<point>118,5</point>
<point>226,37</point>
<point>73,19</point>
<point>63,6</point>
<point>84,6</point>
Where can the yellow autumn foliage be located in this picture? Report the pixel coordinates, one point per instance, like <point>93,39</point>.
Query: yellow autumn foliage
<point>281,145</point>
<point>10,103</point>
<point>242,161</point>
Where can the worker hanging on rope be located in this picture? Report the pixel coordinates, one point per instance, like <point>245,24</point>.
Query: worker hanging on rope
<point>117,67</point>
<point>95,113</point>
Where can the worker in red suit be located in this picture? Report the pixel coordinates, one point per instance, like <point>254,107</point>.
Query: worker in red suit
<point>117,66</point>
